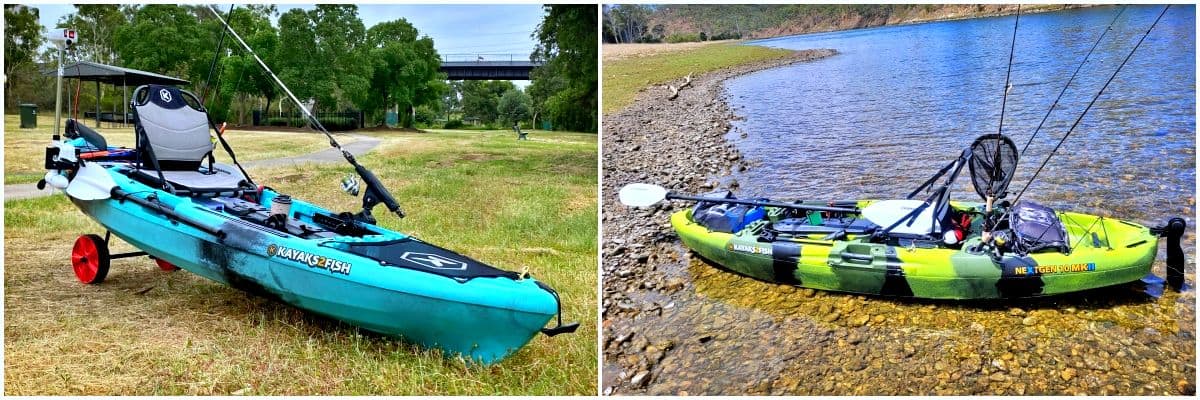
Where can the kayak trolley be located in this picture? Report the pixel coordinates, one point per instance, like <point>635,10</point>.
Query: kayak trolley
<point>90,258</point>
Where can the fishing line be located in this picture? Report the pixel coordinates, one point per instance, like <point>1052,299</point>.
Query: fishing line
<point>1072,79</point>
<point>1093,102</point>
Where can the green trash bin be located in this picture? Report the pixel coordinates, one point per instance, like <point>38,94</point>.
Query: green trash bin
<point>28,116</point>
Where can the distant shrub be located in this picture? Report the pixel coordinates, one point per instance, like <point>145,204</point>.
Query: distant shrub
<point>682,37</point>
<point>453,124</point>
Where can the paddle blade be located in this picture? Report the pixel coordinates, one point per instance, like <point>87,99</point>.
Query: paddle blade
<point>641,194</point>
<point>92,182</point>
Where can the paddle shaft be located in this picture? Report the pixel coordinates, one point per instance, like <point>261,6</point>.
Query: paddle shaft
<point>673,196</point>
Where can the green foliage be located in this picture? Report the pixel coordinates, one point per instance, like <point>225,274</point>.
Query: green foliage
<point>296,64</point>
<point>22,37</point>
<point>97,25</point>
<point>241,74</point>
<point>568,38</point>
<point>514,107</point>
<point>453,124</point>
<point>426,115</point>
<point>164,38</point>
<point>481,99</point>
<point>321,55</point>
<point>682,37</point>
<point>405,70</point>
<point>628,23</point>
<point>451,98</point>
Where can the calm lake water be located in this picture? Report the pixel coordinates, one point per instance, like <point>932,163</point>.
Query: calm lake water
<point>900,102</point>
<point>878,119</point>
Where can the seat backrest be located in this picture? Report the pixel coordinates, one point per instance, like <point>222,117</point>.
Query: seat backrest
<point>175,125</point>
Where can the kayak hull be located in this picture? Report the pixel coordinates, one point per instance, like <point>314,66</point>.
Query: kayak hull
<point>484,319</point>
<point>1119,252</point>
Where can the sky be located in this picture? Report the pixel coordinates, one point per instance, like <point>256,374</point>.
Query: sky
<point>457,30</point>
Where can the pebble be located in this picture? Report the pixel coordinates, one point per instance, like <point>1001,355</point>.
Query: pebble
<point>639,379</point>
<point>1029,321</point>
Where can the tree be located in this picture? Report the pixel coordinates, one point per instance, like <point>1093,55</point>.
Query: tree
<point>405,70</point>
<point>513,107</point>
<point>567,45</point>
<point>22,38</point>
<point>241,75</point>
<point>625,23</point>
<point>164,39</point>
<point>97,25</point>
<point>451,98</point>
<point>297,65</point>
<point>481,99</point>
<point>340,46</point>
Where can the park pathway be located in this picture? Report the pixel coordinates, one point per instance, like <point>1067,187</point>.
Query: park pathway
<point>362,145</point>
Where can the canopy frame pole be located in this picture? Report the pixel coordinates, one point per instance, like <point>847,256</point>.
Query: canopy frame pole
<point>97,104</point>
<point>124,103</point>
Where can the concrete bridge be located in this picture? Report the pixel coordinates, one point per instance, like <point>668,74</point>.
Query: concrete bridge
<point>513,67</point>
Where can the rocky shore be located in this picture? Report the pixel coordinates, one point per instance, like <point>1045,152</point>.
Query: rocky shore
<point>675,325</point>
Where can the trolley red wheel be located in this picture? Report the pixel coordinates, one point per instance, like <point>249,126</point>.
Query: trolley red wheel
<point>90,259</point>
<point>164,265</point>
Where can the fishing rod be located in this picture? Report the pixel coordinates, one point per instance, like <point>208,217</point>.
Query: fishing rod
<point>213,65</point>
<point>376,193</point>
<point>221,132</point>
<point>991,195</point>
<point>1089,106</point>
<point>1072,79</point>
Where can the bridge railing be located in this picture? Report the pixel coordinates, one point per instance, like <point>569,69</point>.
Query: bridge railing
<point>484,57</point>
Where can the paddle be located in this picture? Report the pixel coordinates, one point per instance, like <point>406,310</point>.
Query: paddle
<point>645,194</point>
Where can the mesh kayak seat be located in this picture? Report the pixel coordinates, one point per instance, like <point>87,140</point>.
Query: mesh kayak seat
<point>173,142</point>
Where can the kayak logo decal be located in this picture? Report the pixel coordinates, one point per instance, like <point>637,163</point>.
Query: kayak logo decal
<point>434,261</point>
<point>744,248</point>
<point>309,259</point>
<point>1055,269</point>
<point>165,95</point>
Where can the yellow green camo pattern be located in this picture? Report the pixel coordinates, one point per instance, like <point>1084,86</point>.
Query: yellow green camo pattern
<point>1125,253</point>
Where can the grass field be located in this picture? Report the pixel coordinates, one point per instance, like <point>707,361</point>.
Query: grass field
<point>631,71</point>
<point>24,148</point>
<point>143,331</point>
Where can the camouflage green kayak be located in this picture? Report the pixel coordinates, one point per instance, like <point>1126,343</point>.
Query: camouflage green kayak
<point>839,252</point>
<point>928,247</point>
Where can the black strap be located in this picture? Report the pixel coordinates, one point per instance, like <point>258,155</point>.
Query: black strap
<point>144,145</point>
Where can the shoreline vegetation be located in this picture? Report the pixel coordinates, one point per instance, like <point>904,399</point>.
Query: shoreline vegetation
<point>632,69</point>
<point>629,24</point>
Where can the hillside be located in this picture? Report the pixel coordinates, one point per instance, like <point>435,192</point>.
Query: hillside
<point>681,22</point>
